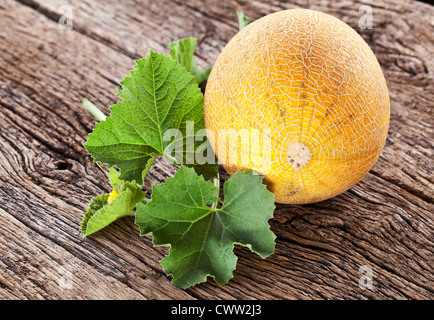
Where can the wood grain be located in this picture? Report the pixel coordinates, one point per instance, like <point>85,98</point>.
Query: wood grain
<point>46,178</point>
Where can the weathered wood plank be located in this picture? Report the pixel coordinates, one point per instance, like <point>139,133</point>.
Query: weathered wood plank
<point>44,173</point>
<point>46,179</point>
<point>403,59</point>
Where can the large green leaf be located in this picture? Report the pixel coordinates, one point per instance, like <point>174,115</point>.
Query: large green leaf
<point>157,96</point>
<point>201,236</point>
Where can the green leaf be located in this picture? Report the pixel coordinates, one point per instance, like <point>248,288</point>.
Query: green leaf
<point>95,205</point>
<point>201,238</point>
<point>198,152</point>
<point>115,182</point>
<point>100,214</point>
<point>182,51</point>
<point>157,96</point>
<point>208,171</point>
<point>243,21</point>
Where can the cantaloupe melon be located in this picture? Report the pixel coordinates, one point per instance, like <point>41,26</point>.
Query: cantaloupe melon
<point>310,84</point>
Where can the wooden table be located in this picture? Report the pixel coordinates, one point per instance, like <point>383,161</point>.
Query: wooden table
<point>385,224</point>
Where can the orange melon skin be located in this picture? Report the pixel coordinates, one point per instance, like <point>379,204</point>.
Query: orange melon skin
<point>300,78</point>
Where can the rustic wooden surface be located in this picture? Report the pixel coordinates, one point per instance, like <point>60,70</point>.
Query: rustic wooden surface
<point>385,222</point>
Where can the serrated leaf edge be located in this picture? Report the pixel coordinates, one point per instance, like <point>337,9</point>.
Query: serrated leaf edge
<point>213,211</point>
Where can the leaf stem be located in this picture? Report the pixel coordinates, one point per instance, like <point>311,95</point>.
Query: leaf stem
<point>102,169</point>
<point>216,181</point>
<point>93,109</point>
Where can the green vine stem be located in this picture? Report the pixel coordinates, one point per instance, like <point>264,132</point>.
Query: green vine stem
<point>93,109</point>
